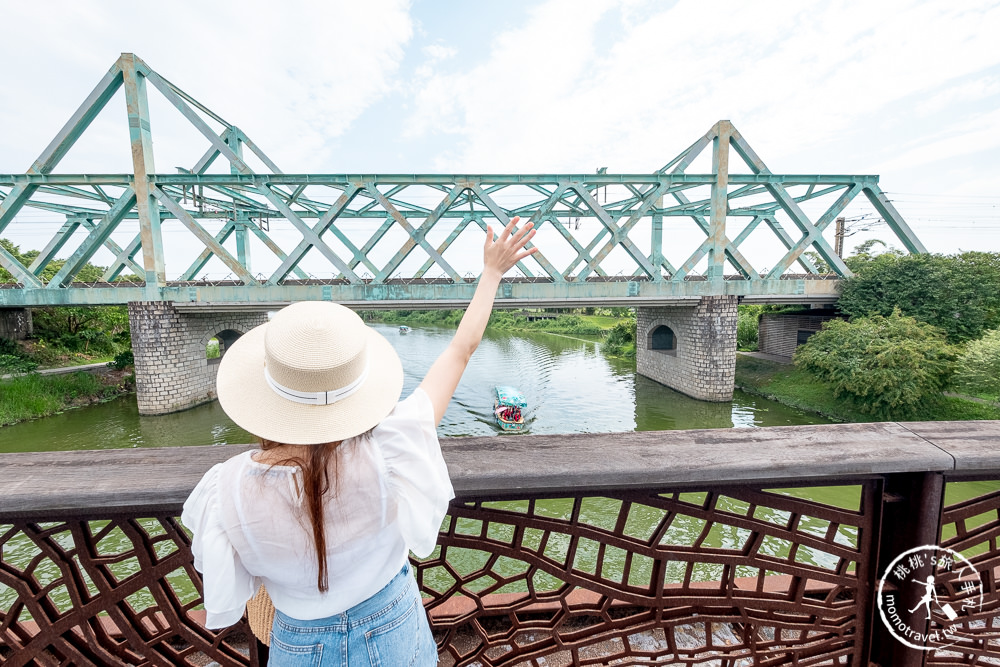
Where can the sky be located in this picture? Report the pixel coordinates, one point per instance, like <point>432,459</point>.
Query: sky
<point>906,90</point>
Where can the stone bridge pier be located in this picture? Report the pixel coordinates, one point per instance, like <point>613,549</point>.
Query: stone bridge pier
<point>172,371</point>
<point>691,349</point>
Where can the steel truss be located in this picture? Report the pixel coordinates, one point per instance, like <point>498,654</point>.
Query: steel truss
<point>629,210</point>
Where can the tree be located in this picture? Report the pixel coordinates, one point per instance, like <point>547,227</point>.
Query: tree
<point>88,274</point>
<point>960,293</point>
<point>822,266</point>
<point>978,369</point>
<point>83,328</point>
<point>863,252</point>
<point>888,366</point>
<point>6,244</point>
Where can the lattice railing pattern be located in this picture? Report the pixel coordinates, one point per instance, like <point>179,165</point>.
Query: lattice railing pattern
<point>105,592</point>
<point>742,577</point>
<point>971,527</point>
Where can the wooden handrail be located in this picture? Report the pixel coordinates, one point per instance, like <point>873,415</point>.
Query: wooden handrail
<point>48,484</point>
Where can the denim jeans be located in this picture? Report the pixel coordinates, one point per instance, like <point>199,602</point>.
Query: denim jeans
<point>389,629</point>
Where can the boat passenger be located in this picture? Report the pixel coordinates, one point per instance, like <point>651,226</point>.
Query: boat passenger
<point>349,479</point>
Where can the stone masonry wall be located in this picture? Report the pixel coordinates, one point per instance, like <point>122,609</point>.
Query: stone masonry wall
<point>703,363</point>
<point>171,370</point>
<point>778,332</point>
<point>15,323</point>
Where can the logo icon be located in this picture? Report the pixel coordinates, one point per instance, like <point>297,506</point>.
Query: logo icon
<point>945,587</point>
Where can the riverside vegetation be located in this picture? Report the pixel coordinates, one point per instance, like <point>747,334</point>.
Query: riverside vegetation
<point>32,395</point>
<point>63,336</point>
<point>615,327</point>
<point>922,342</point>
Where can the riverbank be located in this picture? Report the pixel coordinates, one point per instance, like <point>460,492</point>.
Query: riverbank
<point>798,389</point>
<point>614,328</point>
<point>506,320</point>
<point>35,395</point>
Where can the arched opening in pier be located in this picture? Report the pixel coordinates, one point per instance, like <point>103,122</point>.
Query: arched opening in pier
<point>217,346</point>
<point>662,339</point>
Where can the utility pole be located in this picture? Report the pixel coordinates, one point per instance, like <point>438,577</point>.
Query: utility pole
<point>838,239</point>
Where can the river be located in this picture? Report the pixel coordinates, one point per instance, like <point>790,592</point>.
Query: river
<point>570,386</point>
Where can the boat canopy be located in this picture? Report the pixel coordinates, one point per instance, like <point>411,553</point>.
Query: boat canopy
<point>510,396</point>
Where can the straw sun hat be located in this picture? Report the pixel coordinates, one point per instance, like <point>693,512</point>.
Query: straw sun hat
<point>315,373</point>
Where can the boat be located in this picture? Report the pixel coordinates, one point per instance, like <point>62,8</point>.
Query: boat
<point>508,405</point>
<point>403,329</point>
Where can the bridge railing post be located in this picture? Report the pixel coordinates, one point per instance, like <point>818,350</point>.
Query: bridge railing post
<point>911,518</point>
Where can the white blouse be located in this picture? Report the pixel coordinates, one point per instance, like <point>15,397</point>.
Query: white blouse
<point>250,523</point>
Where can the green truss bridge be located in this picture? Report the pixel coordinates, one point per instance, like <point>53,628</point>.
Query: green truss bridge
<point>204,253</point>
<point>235,229</point>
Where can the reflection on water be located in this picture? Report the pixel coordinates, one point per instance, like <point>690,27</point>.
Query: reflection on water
<point>570,386</point>
<point>117,425</point>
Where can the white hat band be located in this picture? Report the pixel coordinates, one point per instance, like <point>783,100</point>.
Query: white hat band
<point>316,397</point>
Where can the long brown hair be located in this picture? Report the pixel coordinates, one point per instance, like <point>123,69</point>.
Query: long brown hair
<point>318,471</point>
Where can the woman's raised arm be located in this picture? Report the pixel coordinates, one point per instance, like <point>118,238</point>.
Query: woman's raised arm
<point>498,257</point>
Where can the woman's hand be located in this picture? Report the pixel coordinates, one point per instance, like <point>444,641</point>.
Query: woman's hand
<point>498,257</point>
<point>507,250</point>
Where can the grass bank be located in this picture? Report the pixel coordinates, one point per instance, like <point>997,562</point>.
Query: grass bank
<point>31,396</point>
<point>797,388</point>
<point>505,320</point>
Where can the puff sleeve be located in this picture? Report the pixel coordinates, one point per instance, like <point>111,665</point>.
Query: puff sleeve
<point>417,476</point>
<point>227,583</point>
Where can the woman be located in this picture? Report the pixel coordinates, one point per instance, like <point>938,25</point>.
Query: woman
<point>348,480</point>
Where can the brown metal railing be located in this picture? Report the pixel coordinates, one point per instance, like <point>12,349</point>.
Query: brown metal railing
<point>722,547</point>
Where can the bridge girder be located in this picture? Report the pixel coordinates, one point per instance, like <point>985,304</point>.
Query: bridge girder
<point>381,236</point>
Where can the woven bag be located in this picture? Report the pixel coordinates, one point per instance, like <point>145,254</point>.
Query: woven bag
<point>260,615</point>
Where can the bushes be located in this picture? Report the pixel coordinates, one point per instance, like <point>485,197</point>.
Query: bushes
<point>748,327</point>
<point>978,369</point>
<point>888,366</point>
<point>102,330</point>
<point>440,318</point>
<point>125,359</point>
<point>620,339</point>
<point>13,359</point>
<point>11,363</point>
<point>504,320</point>
<point>35,395</point>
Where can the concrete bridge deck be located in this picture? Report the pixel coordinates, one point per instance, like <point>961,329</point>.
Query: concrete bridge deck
<point>440,293</point>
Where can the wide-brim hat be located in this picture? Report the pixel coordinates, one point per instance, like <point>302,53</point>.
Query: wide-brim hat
<point>314,373</point>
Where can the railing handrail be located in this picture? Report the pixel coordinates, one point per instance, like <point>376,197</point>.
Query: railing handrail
<point>49,484</point>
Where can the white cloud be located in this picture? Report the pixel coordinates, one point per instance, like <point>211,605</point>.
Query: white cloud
<point>977,134</point>
<point>901,88</point>
<point>793,77</point>
<point>525,69</point>
<point>292,75</point>
<point>438,52</point>
<point>955,96</point>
